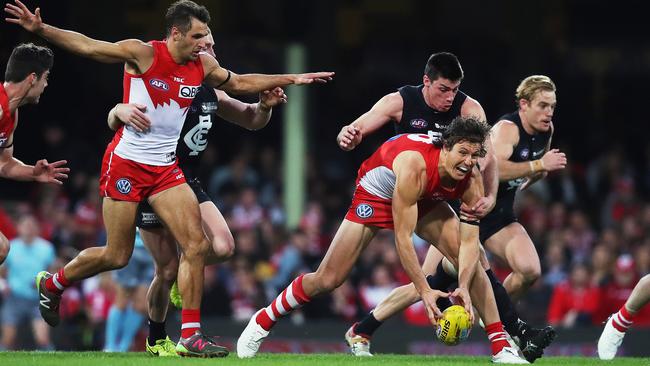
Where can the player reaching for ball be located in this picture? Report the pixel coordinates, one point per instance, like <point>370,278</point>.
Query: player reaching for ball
<point>403,186</point>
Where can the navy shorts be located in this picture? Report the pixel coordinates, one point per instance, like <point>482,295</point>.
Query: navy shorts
<point>501,216</point>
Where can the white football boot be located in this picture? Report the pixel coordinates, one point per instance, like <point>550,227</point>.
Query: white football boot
<point>509,355</point>
<point>609,341</point>
<point>251,338</point>
<point>359,345</point>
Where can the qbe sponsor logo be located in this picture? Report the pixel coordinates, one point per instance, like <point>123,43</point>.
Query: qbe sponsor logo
<point>188,91</point>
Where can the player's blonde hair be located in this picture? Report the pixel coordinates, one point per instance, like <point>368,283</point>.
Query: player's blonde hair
<point>532,85</point>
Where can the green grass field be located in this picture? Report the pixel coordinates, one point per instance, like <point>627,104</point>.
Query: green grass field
<point>141,359</point>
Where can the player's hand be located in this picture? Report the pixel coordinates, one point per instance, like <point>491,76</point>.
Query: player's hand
<point>271,98</point>
<point>463,296</point>
<point>132,114</point>
<point>530,180</point>
<point>313,77</point>
<point>349,137</point>
<point>481,208</point>
<point>24,17</point>
<point>45,172</point>
<point>554,160</point>
<point>429,298</point>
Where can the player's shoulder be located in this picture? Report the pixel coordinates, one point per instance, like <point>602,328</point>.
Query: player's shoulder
<point>506,130</point>
<point>472,108</point>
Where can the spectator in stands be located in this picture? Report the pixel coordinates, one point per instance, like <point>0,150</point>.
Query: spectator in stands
<point>574,302</point>
<point>29,253</point>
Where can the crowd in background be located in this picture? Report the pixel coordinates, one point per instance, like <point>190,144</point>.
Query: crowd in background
<point>590,225</point>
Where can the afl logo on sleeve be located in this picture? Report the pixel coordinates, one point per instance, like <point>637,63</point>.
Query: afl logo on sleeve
<point>123,185</point>
<point>159,84</point>
<point>188,91</point>
<point>524,153</point>
<point>364,211</point>
<point>418,123</point>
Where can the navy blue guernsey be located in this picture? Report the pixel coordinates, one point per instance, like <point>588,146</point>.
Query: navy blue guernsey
<point>194,135</point>
<point>529,147</point>
<point>418,117</point>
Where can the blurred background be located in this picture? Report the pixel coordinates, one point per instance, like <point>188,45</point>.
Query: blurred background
<point>590,223</point>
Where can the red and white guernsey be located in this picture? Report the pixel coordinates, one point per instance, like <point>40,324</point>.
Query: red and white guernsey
<point>167,90</point>
<point>8,121</point>
<point>371,204</point>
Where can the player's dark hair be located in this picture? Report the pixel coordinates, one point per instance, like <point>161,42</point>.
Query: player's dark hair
<point>28,58</point>
<point>180,14</point>
<point>443,64</point>
<point>470,129</point>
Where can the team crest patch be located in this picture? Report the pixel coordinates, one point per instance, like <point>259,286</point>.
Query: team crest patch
<point>418,123</point>
<point>209,107</point>
<point>364,211</point>
<point>524,153</point>
<point>123,185</point>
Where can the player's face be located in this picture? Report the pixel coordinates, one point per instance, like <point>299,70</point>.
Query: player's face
<point>209,43</point>
<point>193,42</point>
<point>37,87</point>
<point>462,157</point>
<point>440,93</point>
<point>539,111</point>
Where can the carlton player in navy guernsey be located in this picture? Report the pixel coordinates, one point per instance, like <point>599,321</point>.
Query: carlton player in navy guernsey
<point>208,106</point>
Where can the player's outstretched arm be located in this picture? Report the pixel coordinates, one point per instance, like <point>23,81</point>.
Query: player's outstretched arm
<point>251,116</point>
<point>132,51</point>
<point>12,168</point>
<point>410,181</point>
<point>388,108</point>
<point>228,81</point>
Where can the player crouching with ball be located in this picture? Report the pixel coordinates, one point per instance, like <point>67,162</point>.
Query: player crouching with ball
<point>403,186</point>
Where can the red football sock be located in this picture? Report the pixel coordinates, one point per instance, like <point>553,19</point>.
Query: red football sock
<point>290,299</point>
<point>191,319</point>
<point>623,319</point>
<point>57,283</point>
<point>497,337</point>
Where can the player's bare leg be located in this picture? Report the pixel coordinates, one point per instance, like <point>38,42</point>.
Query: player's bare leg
<point>348,243</point>
<point>620,322</point>
<point>119,220</point>
<point>178,208</point>
<point>218,233</point>
<point>513,245</point>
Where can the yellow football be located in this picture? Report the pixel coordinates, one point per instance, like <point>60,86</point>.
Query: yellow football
<point>454,325</point>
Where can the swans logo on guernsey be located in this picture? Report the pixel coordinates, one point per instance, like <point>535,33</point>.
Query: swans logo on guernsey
<point>123,185</point>
<point>188,91</point>
<point>159,84</point>
<point>364,211</point>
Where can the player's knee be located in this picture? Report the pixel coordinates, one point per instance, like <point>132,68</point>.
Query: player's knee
<point>530,274</point>
<point>224,248</point>
<point>116,260</point>
<point>196,247</point>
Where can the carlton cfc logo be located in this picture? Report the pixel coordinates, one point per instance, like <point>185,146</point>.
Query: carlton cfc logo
<point>159,84</point>
<point>123,185</point>
<point>364,210</point>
